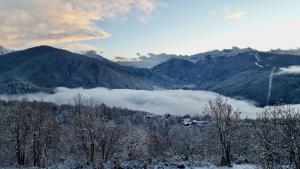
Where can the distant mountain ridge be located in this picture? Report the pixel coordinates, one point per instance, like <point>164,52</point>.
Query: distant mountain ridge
<point>148,61</point>
<point>245,74</point>
<point>239,73</point>
<point>152,60</point>
<point>289,52</point>
<point>44,68</point>
<point>155,59</point>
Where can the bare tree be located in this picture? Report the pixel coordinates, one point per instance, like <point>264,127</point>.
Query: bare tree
<point>186,140</point>
<point>134,144</point>
<point>277,139</point>
<point>96,136</point>
<point>225,121</point>
<point>290,122</point>
<point>19,126</point>
<point>86,125</point>
<point>31,129</point>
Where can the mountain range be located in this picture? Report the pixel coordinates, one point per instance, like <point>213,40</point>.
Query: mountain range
<point>239,73</point>
<point>43,68</point>
<point>147,61</point>
<point>248,74</point>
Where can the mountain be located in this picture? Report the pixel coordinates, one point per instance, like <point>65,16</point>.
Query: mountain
<point>290,52</point>
<point>262,77</point>
<point>4,51</point>
<point>219,53</point>
<point>44,68</point>
<point>247,74</point>
<point>155,59</point>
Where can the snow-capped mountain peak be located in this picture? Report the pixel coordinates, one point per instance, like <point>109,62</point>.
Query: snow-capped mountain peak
<point>220,53</point>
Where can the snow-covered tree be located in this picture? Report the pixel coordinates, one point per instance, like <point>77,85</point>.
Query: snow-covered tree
<point>277,138</point>
<point>134,144</point>
<point>225,121</point>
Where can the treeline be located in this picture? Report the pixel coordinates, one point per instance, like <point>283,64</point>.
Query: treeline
<point>42,134</point>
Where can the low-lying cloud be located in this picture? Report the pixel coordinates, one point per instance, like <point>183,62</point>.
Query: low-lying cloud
<point>178,102</point>
<point>289,70</point>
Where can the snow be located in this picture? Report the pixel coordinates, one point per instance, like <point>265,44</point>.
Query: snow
<point>245,166</point>
<point>217,53</point>
<point>242,166</point>
<point>258,64</point>
<point>187,121</point>
<point>257,57</point>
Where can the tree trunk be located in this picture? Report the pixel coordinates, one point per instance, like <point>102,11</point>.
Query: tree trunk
<point>20,152</point>
<point>227,154</point>
<point>92,153</point>
<point>35,160</point>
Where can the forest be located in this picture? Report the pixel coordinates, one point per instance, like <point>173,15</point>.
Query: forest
<point>87,134</point>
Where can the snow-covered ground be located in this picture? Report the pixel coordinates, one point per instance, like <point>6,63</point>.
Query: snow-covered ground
<point>243,166</point>
<point>246,166</point>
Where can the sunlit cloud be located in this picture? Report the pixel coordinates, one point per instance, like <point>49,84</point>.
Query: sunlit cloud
<point>34,22</point>
<point>229,13</point>
<point>234,14</point>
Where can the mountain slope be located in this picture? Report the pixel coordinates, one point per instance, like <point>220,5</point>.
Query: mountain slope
<point>94,55</point>
<point>245,74</point>
<point>44,68</point>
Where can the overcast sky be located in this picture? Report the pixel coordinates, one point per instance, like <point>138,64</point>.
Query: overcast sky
<point>126,27</point>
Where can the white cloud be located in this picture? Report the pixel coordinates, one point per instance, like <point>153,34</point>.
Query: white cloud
<point>178,102</point>
<point>229,13</point>
<point>289,70</point>
<point>234,14</point>
<point>34,22</point>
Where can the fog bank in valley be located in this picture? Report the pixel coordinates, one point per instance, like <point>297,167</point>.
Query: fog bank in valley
<point>177,102</point>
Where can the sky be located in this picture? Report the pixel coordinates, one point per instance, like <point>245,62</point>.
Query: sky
<point>123,28</point>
